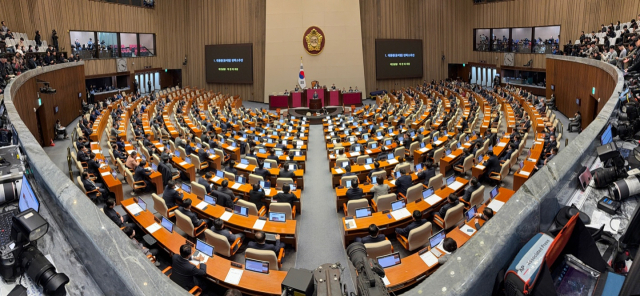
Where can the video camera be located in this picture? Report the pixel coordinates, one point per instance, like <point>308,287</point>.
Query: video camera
<point>370,273</point>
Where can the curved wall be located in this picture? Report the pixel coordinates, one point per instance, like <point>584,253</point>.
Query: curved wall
<point>473,268</point>
<point>116,265</point>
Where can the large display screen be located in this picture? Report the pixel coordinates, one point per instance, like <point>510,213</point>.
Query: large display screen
<point>229,63</point>
<point>398,58</point>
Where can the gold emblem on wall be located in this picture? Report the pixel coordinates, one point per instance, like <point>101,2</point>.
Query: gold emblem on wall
<point>313,40</point>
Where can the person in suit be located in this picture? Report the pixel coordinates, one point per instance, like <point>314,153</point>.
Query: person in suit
<point>452,201</point>
<point>93,167</point>
<point>348,173</point>
<point>373,237</point>
<point>428,171</point>
<point>378,189</point>
<point>188,149</point>
<point>223,199</point>
<point>142,174</point>
<point>285,173</point>
<point>404,182</point>
<point>185,274</point>
<point>224,188</point>
<point>256,195</point>
<point>166,169</point>
<point>285,195</point>
<point>492,165</point>
<point>376,168</point>
<point>551,144</point>
<point>186,210</point>
<point>272,155</point>
<point>231,167</point>
<point>203,155</point>
<point>260,243</point>
<point>508,153</point>
<point>474,185</point>
<point>449,245</point>
<point>575,122</point>
<point>218,227</point>
<point>355,192</point>
<point>121,221</point>
<point>171,195</point>
<point>417,222</point>
<point>261,171</point>
<point>486,215</point>
<point>202,180</point>
<point>89,185</point>
<point>128,230</point>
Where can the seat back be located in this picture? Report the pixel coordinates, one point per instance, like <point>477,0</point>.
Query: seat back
<point>399,151</point>
<point>281,207</point>
<point>477,197</point>
<point>419,236</point>
<point>281,181</point>
<point>219,243</point>
<point>468,163</point>
<point>437,155</point>
<point>229,176</point>
<point>249,205</point>
<point>81,185</point>
<point>219,153</point>
<point>255,179</point>
<point>273,163</point>
<point>183,153</point>
<point>184,223</point>
<point>406,166</point>
<point>362,159</point>
<point>414,193</point>
<point>263,255</point>
<point>198,189</point>
<point>375,250</point>
<point>160,206</point>
<point>195,160</point>
<point>384,202</point>
<point>413,147</point>
<point>380,174</point>
<point>252,160</point>
<point>348,178</point>
<point>454,216</point>
<point>339,162</point>
<point>353,205</point>
<point>437,182</point>
<point>504,170</point>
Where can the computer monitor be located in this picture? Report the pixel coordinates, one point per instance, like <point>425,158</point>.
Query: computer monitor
<point>262,151</point>
<point>397,175</point>
<point>397,205</point>
<point>241,179</point>
<point>356,148</point>
<point>493,192</point>
<point>374,145</point>
<point>387,143</point>
<point>167,224</point>
<point>277,217</point>
<point>368,161</point>
<point>177,153</point>
<point>284,142</point>
<point>269,140</point>
<point>490,148</point>
<point>437,238</point>
<point>418,167</point>
<point>606,136</point>
<point>422,144</point>
<point>114,174</point>
<point>198,145</point>
<point>451,179</point>
<point>470,213</point>
<point>435,138</point>
<point>363,212</point>
<point>447,152</point>
<point>390,156</point>
<point>186,187</point>
<point>28,199</point>
<point>204,248</point>
<point>220,174</point>
<point>392,259</point>
<point>292,167</point>
<point>256,266</point>
<point>427,193</point>
<point>292,186</point>
<point>240,210</point>
<point>187,160</point>
<point>244,161</point>
<point>142,204</point>
<point>479,158</point>
<point>154,167</point>
<point>210,199</point>
<point>279,152</point>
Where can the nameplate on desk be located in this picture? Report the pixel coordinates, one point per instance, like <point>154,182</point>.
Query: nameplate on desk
<point>234,276</point>
<point>480,167</point>
<point>105,174</point>
<point>134,209</point>
<point>392,161</point>
<point>226,216</point>
<point>355,153</point>
<point>242,166</point>
<point>433,199</point>
<point>366,166</point>
<point>429,259</point>
<point>538,142</point>
<point>495,205</point>
<point>468,230</point>
<point>525,173</point>
<point>531,160</point>
<point>259,224</point>
<point>339,171</point>
<point>368,151</point>
<point>351,223</point>
<point>183,163</point>
<point>455,185</point>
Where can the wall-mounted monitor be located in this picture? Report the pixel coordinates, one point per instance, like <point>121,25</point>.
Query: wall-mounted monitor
<point>398,58</point>
<point>229,63</point>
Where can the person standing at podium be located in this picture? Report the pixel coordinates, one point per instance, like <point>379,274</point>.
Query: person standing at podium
<point>296,89</point>
<point>315,96</point>
<point>333,86</point>
<point>286,92</point>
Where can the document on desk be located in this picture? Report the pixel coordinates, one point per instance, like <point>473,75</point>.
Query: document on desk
<point>242,165</point>
<point>96,151</point>
<point>350,223</point>
<point>366,166</point>
<point>354,153</point>
<point>134,209</point>
<point>392,161</point>
<point>501,144</point>
<point>183,163</point>
<point>153,227</point>
<point>201,205</point>
<point>105,174</point>
<point>267,191</point>
<point>437,143</point>
<point>455,185</point>
<point>480,167</point>
<point>242,139</point>
<point>393,182</point>
<point>495,205</point>
<point>468,230</point>
<point>368,151</point>
<point>234,276</point>
<point>216,178</point>
<point>423,150</point>
<point>429,259</point>
<point>400,214</point>
<point>236,185</point>
<point>339,171</point>
<point>226,216</point>
<point>433,199</point>
<point>259,224</point>
<point>525,173</point>
<point>385,280</point>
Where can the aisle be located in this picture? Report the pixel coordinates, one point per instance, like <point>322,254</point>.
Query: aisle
<point>319,235</point>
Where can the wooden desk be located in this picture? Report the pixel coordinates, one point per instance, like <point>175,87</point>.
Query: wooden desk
<point>155,177</point>
<point>113,184</point>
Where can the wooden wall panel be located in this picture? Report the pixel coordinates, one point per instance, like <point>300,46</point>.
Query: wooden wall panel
<point>225,22</point>
<point>68,82</point>
<point>167,21</point>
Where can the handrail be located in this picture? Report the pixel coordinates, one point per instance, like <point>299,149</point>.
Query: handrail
<point>117,266</point>
<point>473,268</point>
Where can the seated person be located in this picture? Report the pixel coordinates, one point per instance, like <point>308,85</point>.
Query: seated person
<point>202,180</point>
<point>417,222</point>
<point>261,171</point>
<point>450,246</point>
<point>132,161</point>
<point>404,182</point>
<point>61,130</point>
<point>186,209</point>
<point>486,215</point>
<point>355,192</point>
<point>183,272</point>
<point>575,122</point>
<point>231,167</point>
<point>171,195</point>
<point>380,188</point>
<point>260,243</point>
<point>348,171</point>
<point>285,173</point>
<point>109,210</point>
<point>142,174</point>
<point>377,168</point>
<point>373,237</point>
<point>224,188</point>
<point>256,195</point>
<point>473,186</point>
<point>285,195</point>
<point>452,201</point>
<point>89,185</point>
<point>218,227</point>
<point>128,230</point>
<point>428,171</point>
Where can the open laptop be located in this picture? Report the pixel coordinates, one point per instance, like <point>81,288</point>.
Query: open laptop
<point>470,213</point>
<point>241,179</point>
<point>277,217</point>
<point>435,241</point>
<point>256,266</point>
<point>240,210</point>
<point>142,204</point>
<point>154,167</point>
<point>185,187</point>
<point>167,224</point>
<point>210,199</point>
<point>363,212</point>
<point>427,193</point>
<point>204,249</point>
<point>392,259</point>
<point>451,179</point>
<point>397,205</point>
<point>244,161</point>
<point>494,192</point>
<point>418,167</point>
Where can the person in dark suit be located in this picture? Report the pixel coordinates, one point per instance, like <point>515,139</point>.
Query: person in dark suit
<point>428,171</point>
<point>188,149</point>
<point>223,199</point>
<point>404,182</point>
<point>109,210</point>
<point>218,227</point>
<point>141,174</point>
<point>256,196</point>
<point>260,243</point>
<point>93,167</point>
<point>285,173</point>
<point>184,273</point>
<point>89,185</point>
<point>376,168</point>
<point>417,222</point>
<point>261,171</point>
<point>165,169</point>
<point>203,155</point>
<point>551,144</point>
<point>373,237</point>
<point>507,154</point>
<point>231,167</point>
<point>452,201</point>
<point>203,181</point>
<point>285,195</point>
<point>486,215</point>
<point>474,185</point>
<point>272,155</point>
<point>355,192</point>
<point>492,165</point>
<point>348,173</point>
<point>224,188</point>
<point>186,209</point>
<point>171,195</point>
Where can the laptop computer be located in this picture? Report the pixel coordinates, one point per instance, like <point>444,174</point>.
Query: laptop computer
<point>363,212</point>
<point>392,259</point>
<point>451,179</point>
<point>244,161</point>
<point>436,239</point>
<point>167,224</point>
<point>277,217</point>
<point>187,160</point>
<point>494,192</point>
<point>185,187</point>
<point>142,204</point>
<point>210,199</point>
<point>256,266</point>
<point>347,183</point>
<point>374,180</point>
<point>154,167</point>
<point>470,213</point>
<point>220,174</point>
<point>241,179</point>
<point>368,161</point>
<point>448,152</point>
<point>427,193</point>
<point>418,167</point>
<point>266,165</point>
<point>204,249</point>
<point>240,210</point>
<point>397,205</point>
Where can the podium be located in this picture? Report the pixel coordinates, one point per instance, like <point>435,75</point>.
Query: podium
<point>315,104</point>
<point>322,96</point>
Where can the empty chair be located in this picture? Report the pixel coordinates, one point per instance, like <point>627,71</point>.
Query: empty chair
<point>275,263</point>
<point>453,216</point>
<point>161,207</point>
<point>281,181</point>
<point>252,207</point>
<point>437,155</point>
<point>283,207</point>
<point>383,202</point>
<point>413,193</point>
<point>134,185</point>
<point>351,206</point>
<point>406,166</point>
<point>476,199</point>
<point>255,179</point>
<point>400,151</point>
<point>198,189</point>
<point>375,250</point>
<point>362,159</point>
<point>380,174</point>
<point>437,182</point>
<point>418,237</point>
<point>195,160</point>
<point>339,162</point>
<point>466,166</point>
